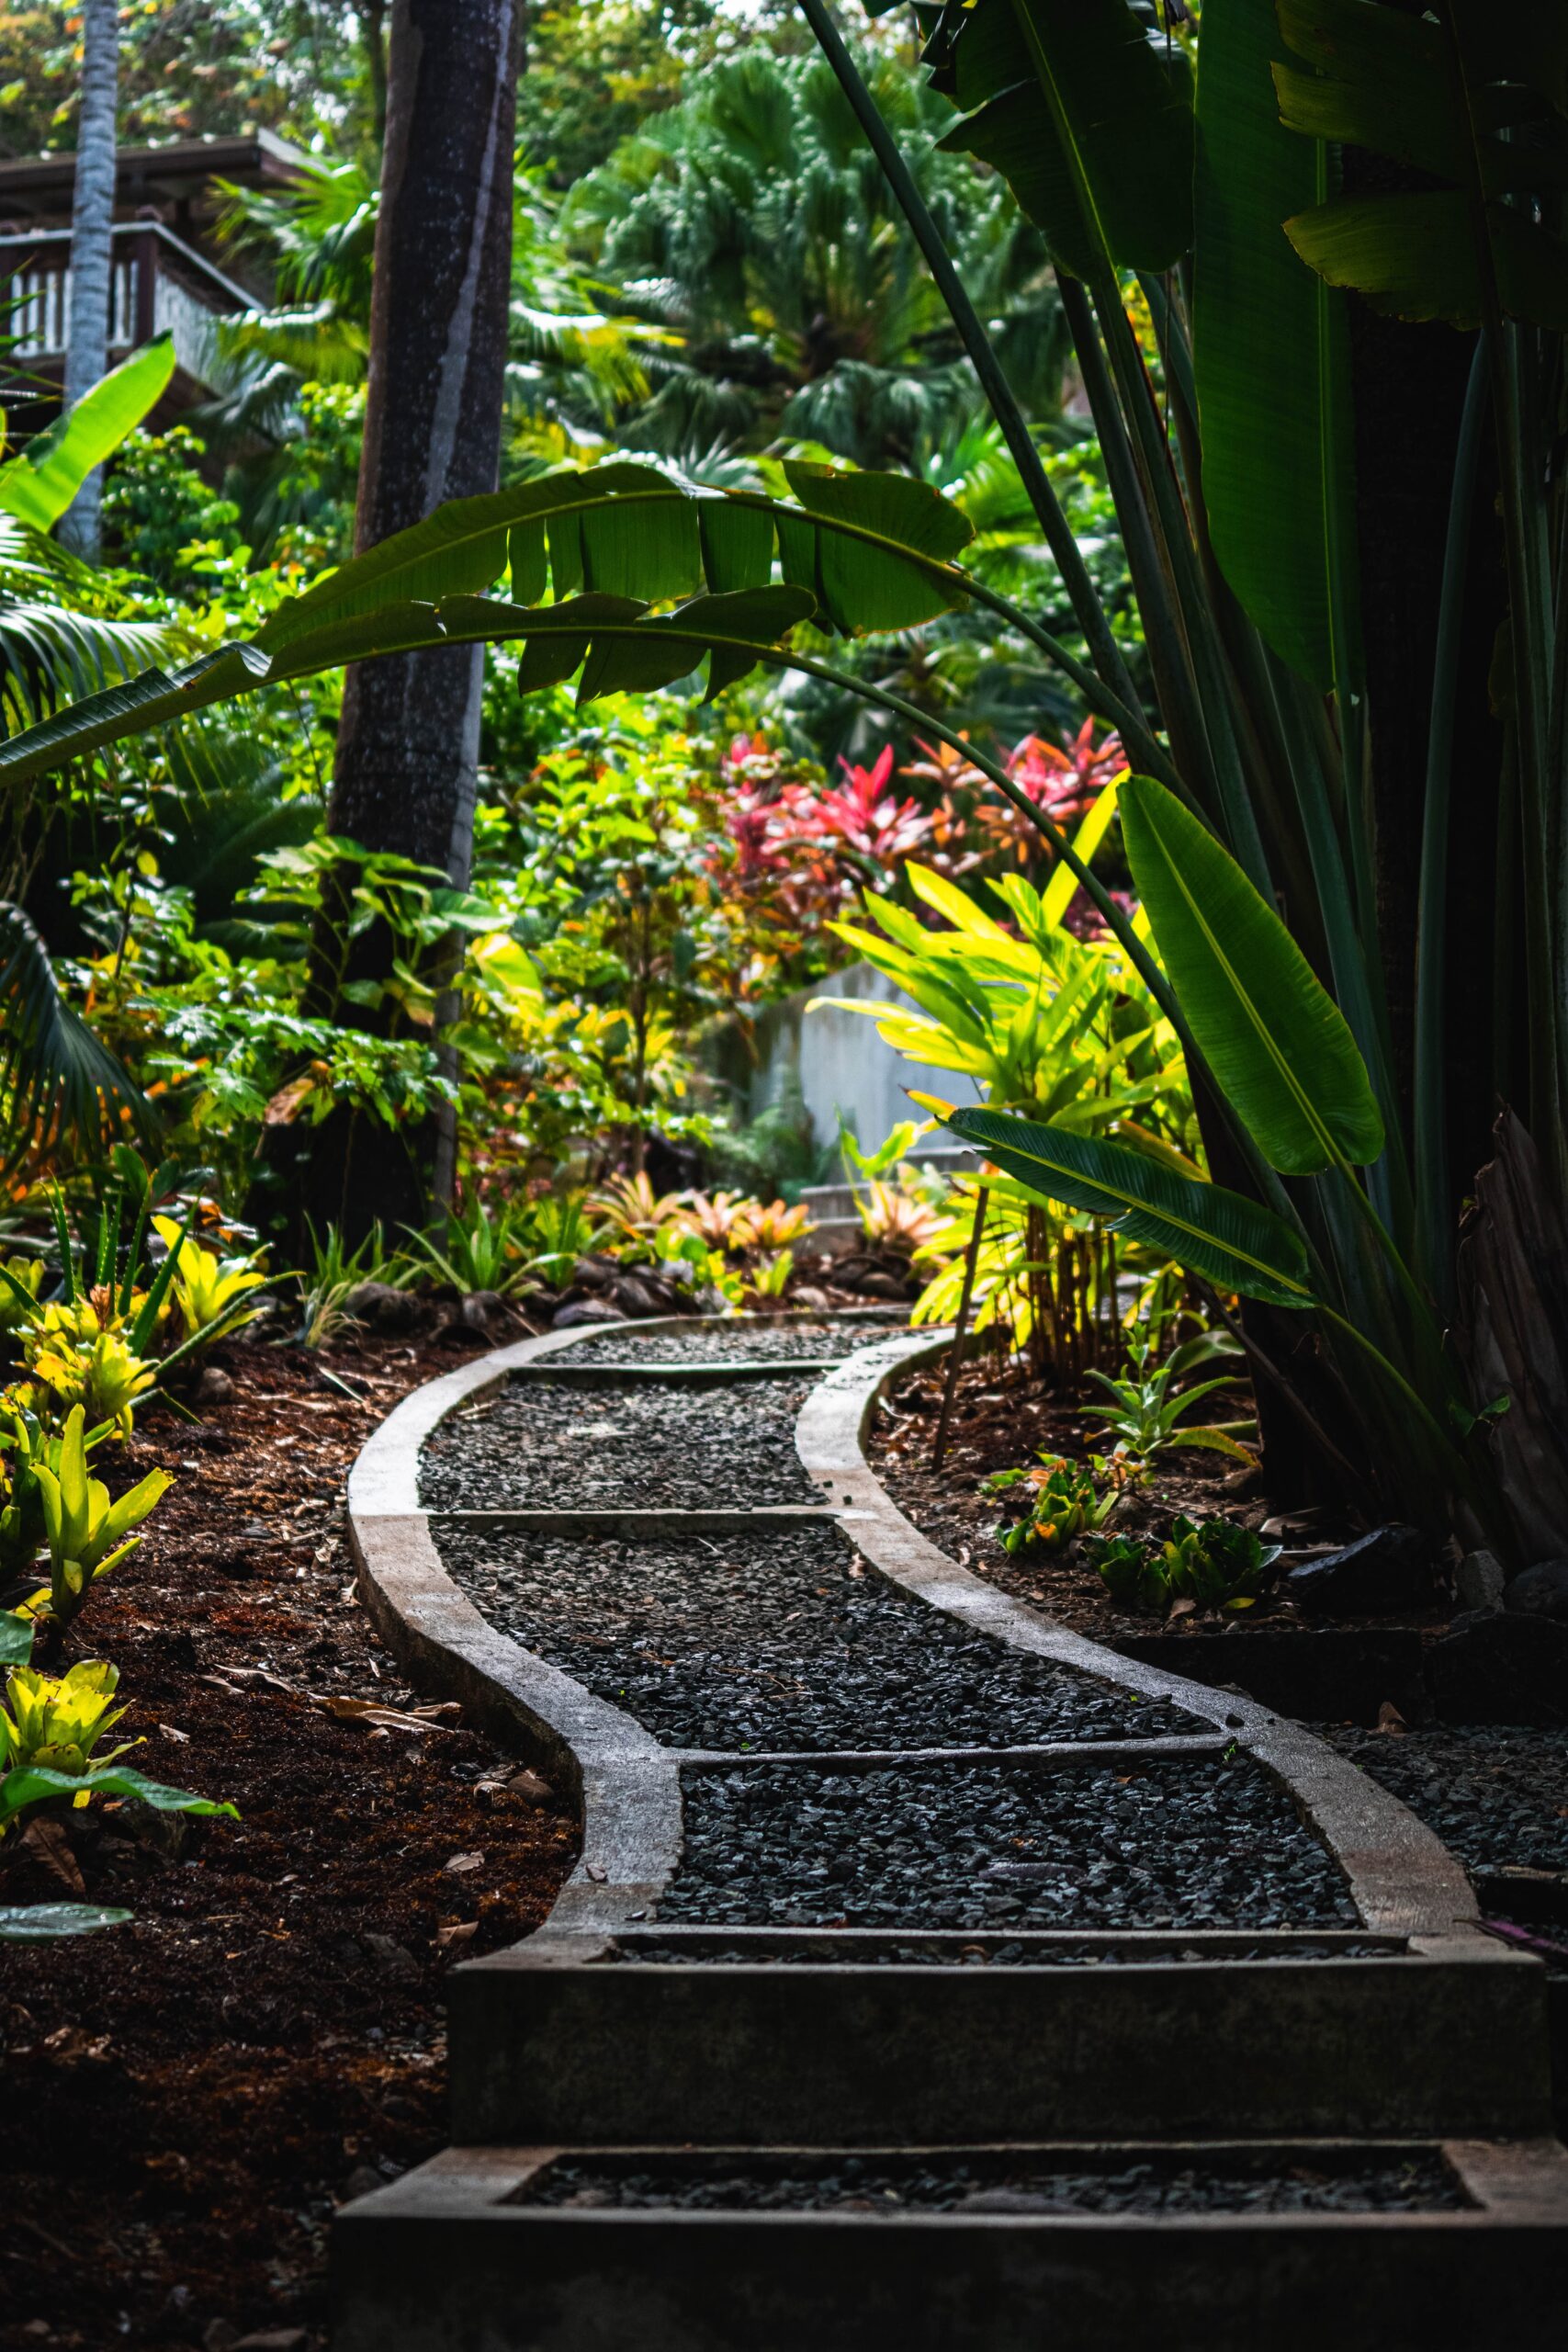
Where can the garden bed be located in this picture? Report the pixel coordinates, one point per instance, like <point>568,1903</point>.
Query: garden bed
<point>210,2082</point>
<point>968,1845</point>
<point>1404,2181</point>
<point>543,1445</point>
<point>775,1639</point>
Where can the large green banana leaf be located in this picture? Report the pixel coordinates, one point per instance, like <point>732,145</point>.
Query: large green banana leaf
<point>875,550</point>
<point>1227,1239</point>
<point>619,646</point>
<point>38,486</point>
<point>1088,121</point>
<point>1278,1045</point>
<point>1269,359</point>
<point>1384,79</point>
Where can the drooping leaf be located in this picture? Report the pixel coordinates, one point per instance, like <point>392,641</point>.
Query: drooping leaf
<point>57,1081</point>
<point>1269,359</point>
<point>16,1638</point>
<point>875,550</point>
<point>32,1783</point>
<point>1088,119</point>
<point>1229,1240</point>
<point>1473,109</point>
<point>38,486</point>
<point>1278,1045</point>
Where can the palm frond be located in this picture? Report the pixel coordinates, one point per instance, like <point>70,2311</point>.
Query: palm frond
<point>59,1084</point>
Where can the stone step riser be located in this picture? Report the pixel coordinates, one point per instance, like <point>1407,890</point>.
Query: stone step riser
<point>556,2052</point>
<point>441,2262</point>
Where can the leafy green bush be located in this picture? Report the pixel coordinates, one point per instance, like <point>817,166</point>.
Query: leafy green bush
<point>1210,1564</point>
<point>1064,1500</point>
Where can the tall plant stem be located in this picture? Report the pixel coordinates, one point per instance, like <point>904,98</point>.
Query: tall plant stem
<point>1086,607</point>
<point>1434,1204</point>
<point>950,1384</point>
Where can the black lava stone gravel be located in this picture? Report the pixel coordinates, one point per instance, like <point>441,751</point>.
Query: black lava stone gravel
<point>550,1445</point>
<point>997,1846</point>
<point>1413,2180</point>
<point>775,1639</point>
<point>738,1342</point>
<point>1494,1793</point>
<point>1014,1954</point>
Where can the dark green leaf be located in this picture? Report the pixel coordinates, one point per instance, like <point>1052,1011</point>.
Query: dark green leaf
<point>33,1923</point>
<point>1414,257</point>
<point>1278,1045</point>
<point>61,1082</point>
<point>1230,1240</point>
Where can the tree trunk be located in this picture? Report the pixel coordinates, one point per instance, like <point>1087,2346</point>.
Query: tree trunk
<point>408,741</point>
<point>92,247</point>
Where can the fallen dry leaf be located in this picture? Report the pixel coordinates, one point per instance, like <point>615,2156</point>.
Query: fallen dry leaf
<point>457,1931</point>
<point>1391,1719</point>
<point>461,1863</point>
<point>48,1844</point>
<point>385,1718</point>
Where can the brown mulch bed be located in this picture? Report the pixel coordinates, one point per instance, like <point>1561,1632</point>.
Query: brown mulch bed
<point>189,2098</point>
<point>1003,1417</point>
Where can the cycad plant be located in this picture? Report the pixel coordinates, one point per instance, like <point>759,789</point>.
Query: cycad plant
<point>1203,258</point>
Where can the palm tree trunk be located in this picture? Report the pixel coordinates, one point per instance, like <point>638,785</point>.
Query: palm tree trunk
<point>91,246</point>
<point>408,741</point>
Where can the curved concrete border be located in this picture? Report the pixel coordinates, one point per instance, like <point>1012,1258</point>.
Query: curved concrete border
<point>1403,1878</point>
<point>627,1785</point>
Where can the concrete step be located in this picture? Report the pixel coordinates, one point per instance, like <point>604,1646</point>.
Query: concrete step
<point>568,2038</point>
<point>455,2258</point>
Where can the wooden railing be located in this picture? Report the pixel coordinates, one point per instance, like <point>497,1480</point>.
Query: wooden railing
<point>158,284</point>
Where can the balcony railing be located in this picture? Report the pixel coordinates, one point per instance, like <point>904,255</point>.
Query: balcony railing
<point>157,284</point>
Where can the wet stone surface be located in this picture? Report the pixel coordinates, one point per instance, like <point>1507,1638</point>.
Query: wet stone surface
<point>738,1342</point>
<point>550,1445</point>
<point>1414,2180</point>
<point>999,1845</point>
<point>777,1639</point>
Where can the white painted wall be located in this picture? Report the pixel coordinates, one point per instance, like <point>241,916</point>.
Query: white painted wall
<point>842,1063</point>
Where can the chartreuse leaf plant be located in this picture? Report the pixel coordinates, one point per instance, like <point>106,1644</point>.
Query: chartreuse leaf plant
<point>1146,1415</point>
<point>1061,1500</point>
<point>87,1533</point>
<point>49,1731</point>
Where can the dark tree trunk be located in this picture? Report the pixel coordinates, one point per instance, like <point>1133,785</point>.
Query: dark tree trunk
<point>408,743</point>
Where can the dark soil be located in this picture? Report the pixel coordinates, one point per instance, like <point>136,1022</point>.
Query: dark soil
<point>997,1846</point>
<point>779,1639</point>
<point>1409,2181</point>
<point>544,1445</point>
<point>191,2096</point>
<point>1003,1419</point>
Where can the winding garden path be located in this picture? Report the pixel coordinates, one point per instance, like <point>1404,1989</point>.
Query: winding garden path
<point>930,1974</point>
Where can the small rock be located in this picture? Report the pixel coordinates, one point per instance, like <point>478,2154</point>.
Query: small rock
<point>1541,1591</point>
<point>480,1308</point>
<point>585,1310</point>
<point>1479,1581</point>
<point>639,1295</point>
<point>381,1306</point>
<point>361,2181</point>
<point>220,2336</point>
<point>1003,2200</point>
<point>1387,1569</point>
<point>392,1959</point>
<point>533,1787</point>
<point>214,1387</point>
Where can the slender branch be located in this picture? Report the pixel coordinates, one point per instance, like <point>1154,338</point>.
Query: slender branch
<point>1087,606</point>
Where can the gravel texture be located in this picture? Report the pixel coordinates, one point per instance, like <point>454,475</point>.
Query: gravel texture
<point>989,1955</point>
<point>1000,1845</point>
<point>778,1639</point>
<point>1414,2180</point>
<point>1494,1793</point>
<point>547,1445</point>
<point>739,1342</point>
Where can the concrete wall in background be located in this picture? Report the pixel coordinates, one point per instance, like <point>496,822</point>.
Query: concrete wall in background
<point>841,1061</point>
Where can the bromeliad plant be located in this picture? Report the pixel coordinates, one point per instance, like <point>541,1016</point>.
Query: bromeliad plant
<point>49,1731</point>
<point>1147,1417</point>
<point>1207,1564</point>
<point>1063,1500</point>
<point>1231,463</point>
<point>87,1533</point>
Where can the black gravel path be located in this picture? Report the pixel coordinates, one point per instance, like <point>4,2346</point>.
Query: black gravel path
<point>550,1445</point>
<point>998,1845</point>
<point>738,1342</point>
<point>778,1639</point>
<point>1408,2181</point>
<point>913,1954</point>
<point>1495,1793</point>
